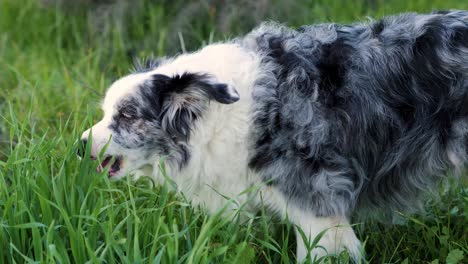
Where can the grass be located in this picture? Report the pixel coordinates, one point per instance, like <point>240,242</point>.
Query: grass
<point>57,209</point>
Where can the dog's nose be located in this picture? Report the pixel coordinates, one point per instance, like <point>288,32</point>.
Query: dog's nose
<point>82,148</point>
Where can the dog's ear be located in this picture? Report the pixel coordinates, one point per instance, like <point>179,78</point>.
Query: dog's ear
<point>182,99</point>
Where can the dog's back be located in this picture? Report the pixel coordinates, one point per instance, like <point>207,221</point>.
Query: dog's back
<point>366,114</point>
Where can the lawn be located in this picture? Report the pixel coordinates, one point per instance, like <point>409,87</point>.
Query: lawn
<point>55,64</point>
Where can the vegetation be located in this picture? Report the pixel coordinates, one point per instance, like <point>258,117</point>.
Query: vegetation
<point>55,64</point>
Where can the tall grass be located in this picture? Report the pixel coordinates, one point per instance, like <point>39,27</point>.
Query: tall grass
<point>55,208</point>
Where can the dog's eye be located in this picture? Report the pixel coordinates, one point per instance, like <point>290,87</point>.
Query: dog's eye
<point>126,114</point>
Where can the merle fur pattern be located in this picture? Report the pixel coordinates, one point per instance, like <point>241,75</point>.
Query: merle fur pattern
<point>363,115</point>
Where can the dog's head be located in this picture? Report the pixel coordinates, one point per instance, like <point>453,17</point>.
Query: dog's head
<point>148,115</point>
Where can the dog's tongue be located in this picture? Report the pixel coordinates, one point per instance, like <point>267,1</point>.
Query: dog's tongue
<point>115,167</point>
<point>103,164</point>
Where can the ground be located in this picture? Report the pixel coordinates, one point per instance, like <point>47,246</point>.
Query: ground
<point>55,64</point>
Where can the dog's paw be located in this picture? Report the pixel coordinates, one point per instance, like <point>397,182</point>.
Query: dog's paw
<point>353,246</point>
<point>333,243</point>
<point>146,171</point>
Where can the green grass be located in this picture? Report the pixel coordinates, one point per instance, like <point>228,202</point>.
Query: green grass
<point>57,209</point>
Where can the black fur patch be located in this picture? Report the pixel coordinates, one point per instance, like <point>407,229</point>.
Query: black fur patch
<point>377,28</point>
<point>333,66</point>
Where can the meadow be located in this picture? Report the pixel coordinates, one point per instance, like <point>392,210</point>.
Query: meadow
<point>55,64</point>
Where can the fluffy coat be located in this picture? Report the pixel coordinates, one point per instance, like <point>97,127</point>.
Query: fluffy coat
<point>326,120</point>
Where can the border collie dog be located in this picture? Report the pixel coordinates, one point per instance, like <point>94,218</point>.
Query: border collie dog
<point>327,120</point>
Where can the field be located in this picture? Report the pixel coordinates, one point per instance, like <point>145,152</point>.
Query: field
<point>55,64</point>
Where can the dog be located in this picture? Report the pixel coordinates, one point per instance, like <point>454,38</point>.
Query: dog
<point>328,120</point>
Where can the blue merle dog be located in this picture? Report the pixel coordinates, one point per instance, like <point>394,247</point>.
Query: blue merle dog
<point>327,120</point>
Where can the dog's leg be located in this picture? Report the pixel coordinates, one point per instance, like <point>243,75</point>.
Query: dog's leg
<point>338,235</point>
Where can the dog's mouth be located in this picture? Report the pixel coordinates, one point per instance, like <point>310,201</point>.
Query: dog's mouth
<point>114,163</point>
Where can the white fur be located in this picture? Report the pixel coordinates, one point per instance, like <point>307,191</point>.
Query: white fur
<point>218,163</point>
<point>218,167</point>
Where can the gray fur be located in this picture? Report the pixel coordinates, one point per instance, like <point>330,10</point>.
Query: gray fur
<point>361,116</point>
